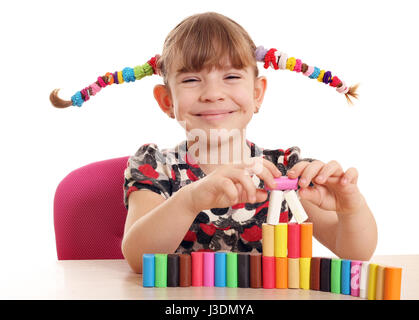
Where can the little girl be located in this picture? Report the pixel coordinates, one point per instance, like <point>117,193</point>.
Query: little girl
<point>186,198</point>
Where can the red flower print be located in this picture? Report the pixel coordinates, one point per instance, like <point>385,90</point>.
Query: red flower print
<point>283,216</point>
<point>190,236</point>
<point>238,206</point>
<point>148,171</point>
<point>209,229</point>
<point>252,234</point>
<point>264,205</point>
<point>131,189</point>
<point>190,175</point>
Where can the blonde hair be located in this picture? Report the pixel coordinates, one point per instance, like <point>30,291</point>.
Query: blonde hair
<point>202,41</point>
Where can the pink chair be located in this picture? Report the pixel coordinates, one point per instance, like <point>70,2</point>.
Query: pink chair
<point>89,212</point>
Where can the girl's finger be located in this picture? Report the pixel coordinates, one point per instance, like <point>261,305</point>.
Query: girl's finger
<point>231,190</point>
<point>257,164</point>
<point>297,169</point>
<point>238,175</point>
<point>310,194</point>
<point>267,177</point>
<point>310,172</point>
<point>272,168</point>
<point>332,168</point>
<point>350,176</point>
<point>264,169</point>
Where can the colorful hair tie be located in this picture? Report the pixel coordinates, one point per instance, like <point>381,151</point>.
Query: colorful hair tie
<point>120,77</point>
<point>321,75</point>
<point>110,78</point>
<point>283,61</point>
<point>343,88</point>
<point>153,64</point>
<point>327,77</point>
<point>95,88</point>
<point>260,53</point>
<point>128,74</point>
<point>270,59</point>
<point>315,73</point>
<point>85,94</point>
<point>101,82</point>
<point>77,99</point>
<point>309,71</point>
<point>335,81</point>
<point>297,67</point>
<point>115,77</point>
<point>291,63</point>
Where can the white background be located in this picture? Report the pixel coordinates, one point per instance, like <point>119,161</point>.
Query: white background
<point>50,44</point>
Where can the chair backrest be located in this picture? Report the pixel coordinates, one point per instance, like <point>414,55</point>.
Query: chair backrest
<point>89,212</point>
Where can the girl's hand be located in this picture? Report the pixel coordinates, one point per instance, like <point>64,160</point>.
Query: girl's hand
<point>231,184</point>
<point>334,189</point>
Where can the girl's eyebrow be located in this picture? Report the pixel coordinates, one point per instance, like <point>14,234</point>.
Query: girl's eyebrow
<point>184,70</point>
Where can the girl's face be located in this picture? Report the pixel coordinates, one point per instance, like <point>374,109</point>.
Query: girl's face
<point>223,98</point>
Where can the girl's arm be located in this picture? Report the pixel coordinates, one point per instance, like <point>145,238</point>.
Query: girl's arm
<point>155,225</point>
<point>349,236</point>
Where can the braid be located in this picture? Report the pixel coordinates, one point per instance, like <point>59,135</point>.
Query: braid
<point>272,57</point>
<point>280,60</point>
<point>126,75</point>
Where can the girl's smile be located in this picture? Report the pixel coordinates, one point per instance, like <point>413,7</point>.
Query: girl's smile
<point>215,115</point>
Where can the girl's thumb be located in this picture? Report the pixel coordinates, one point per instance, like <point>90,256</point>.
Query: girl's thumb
<point>308,194</point>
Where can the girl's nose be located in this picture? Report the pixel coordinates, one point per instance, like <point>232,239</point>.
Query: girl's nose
<point>212,91</point>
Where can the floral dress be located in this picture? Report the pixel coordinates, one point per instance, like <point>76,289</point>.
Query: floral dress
<point>237,228</point>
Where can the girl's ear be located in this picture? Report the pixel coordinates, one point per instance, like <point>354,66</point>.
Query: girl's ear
<point>164,99</point>
<point>259,91</point>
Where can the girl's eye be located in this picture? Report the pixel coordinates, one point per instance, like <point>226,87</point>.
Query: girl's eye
<point>192,80</point>
<point>188,80</point>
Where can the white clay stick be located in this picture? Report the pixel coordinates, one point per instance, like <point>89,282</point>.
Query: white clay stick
<point>274,209</point>
<point>295,205</point>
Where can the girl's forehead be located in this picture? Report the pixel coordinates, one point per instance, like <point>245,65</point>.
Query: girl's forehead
<point>178,68</point>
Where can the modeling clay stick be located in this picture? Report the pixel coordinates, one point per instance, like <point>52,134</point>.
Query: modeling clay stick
<point>268,272</point>
<point>392,283</point>
<point>379,288</point>
<point>255,270</point>
<point>243,261</point>
<point>355,275</point>
<point>315,273</point>
<point>208,269</point>
<point>281,272</point>
<point>268,240</point>
<point>325,274</point>
<point>363,281</point>
<point>197,269</point>
<point>295,205</point>
<point>148,270</point>
<point>232,269</point>
<point>275,203</point>
<point>160,270</point>
<point>284,183</point>
<point>335,275</point>
<point>293,273</point>
<point>346,277</point>
<point>306,242</point>
<point>293,240</point>
<point>185,270</point>
<point>305,273</point>
<point>372,281</point>
<point>281,240</point>
<point>220,269</point>
<point>173,270</point>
